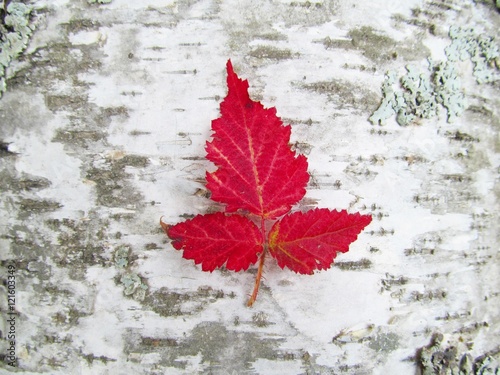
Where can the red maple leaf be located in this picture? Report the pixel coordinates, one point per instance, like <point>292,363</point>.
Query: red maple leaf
<point>259,178</point>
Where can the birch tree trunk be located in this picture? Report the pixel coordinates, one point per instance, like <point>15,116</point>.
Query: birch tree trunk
<point>104,120</point>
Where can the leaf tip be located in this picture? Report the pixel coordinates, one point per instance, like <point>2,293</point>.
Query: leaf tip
<point>230,70</point>
<point>229,65</point>
<point>164,225</point>
<point>367,219</point>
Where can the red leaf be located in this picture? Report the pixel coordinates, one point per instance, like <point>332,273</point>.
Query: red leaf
<point>217,239</point>
<point>307,241</point>
<point>257,170</point>
<point>258,173</point>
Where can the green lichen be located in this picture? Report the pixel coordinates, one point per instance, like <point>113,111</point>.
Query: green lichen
<point>480,49</point>
<point>15,31</point>
<point>133,286</point>
<point>99,1</point>
<point>418,100</point>
<point>389,100</point>
<point>419,94</point>
<point>437,359</point>
<point>121,257</point>
<point>448,89</point>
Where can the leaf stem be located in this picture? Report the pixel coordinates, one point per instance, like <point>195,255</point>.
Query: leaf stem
<point>253,297</point>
